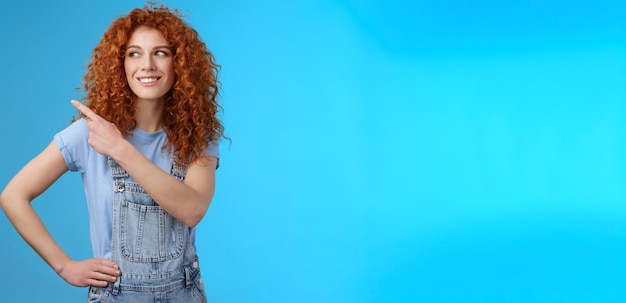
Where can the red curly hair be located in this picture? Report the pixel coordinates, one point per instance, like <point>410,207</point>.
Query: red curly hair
<point>190,112</point>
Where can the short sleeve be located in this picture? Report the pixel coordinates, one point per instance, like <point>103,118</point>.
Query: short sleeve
<point>72,142</point>
<point>213,150</point>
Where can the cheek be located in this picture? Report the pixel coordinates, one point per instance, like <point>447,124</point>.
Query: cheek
<point>170,69</point>
<point>171,74</point>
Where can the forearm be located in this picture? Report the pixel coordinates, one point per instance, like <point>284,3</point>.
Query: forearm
<point>177,198</point>
<point>31,228</point>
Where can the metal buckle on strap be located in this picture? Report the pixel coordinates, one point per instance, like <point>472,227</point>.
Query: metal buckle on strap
<point>188,281</point>
<point>115,289</point>
<point>119,185</point>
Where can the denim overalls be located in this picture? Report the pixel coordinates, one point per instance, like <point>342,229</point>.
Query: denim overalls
<point>153,250</point>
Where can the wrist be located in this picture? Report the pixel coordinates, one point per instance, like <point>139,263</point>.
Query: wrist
<point>121,150</point>
<point>61,265</point>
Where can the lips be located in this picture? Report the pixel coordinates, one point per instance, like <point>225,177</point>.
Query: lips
<point>148,80</point>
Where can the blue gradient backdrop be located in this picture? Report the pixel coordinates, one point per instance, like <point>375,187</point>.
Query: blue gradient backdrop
<point>383,151</point>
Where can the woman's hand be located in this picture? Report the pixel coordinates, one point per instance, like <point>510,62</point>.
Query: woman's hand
<point>104,137</point>
<point>90,272</point>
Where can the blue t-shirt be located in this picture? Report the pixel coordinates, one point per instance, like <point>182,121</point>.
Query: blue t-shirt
<point>80,157</point>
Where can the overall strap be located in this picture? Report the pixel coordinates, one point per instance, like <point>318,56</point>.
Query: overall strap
<point>178,171</point>
<point>117,172</point>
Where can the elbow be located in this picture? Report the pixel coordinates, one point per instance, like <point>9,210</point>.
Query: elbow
<point>192,222</point>
<point>193,219</point>
<point>4,203</point>
<point>4,200</point>
<point>9,200</point>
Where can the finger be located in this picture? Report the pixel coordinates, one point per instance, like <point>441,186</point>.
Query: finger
<point>97,283</point>
<point>102,277</point>
<point>107,270</point>
<point>84,110</point>
<point>106,267</point>
<point>107,262</point>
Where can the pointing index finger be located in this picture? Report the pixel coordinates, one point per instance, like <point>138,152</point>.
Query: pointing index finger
<point>84,110</point>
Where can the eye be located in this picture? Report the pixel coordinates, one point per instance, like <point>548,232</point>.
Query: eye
<point>132,54</point>
<point>161,53</point>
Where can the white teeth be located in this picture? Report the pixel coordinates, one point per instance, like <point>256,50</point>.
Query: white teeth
<point>147,80</point>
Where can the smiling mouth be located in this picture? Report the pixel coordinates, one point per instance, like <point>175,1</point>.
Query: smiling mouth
<point>148,80</point>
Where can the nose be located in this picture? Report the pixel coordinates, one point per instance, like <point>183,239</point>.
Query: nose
<point>148,64</point>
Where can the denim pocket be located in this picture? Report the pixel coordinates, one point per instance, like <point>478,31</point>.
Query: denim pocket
<point>149,234</point>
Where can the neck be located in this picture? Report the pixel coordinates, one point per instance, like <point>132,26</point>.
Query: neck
<point>149,115</point>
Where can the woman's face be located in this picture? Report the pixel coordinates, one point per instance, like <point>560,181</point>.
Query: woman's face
<point>149,64</point>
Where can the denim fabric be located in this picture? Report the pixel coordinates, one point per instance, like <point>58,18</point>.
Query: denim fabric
<point>153,250</point>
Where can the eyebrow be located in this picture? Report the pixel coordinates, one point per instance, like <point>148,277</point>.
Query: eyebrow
<point>156,47</point>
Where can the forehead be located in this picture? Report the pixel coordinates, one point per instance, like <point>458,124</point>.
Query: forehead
<point>145,36</point>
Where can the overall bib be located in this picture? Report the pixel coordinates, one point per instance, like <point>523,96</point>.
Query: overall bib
<point>154,252</point>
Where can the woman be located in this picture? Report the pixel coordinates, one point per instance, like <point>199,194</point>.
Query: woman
<point>146,146</point>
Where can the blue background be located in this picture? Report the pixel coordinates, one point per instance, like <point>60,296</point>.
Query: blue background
<point>383,151</point>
